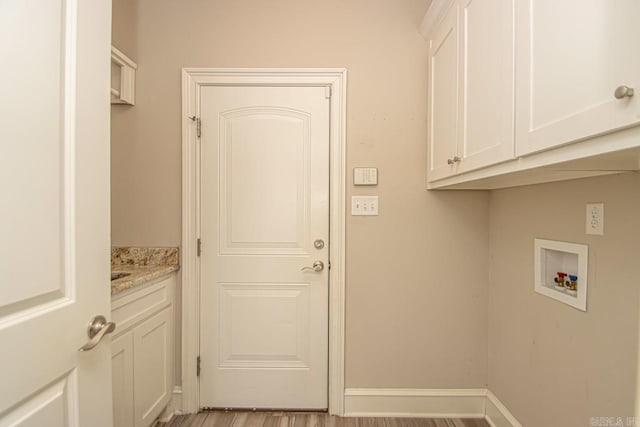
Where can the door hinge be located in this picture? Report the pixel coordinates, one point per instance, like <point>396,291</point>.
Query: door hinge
<point>198,366</point>
<point>199,247</point>
<point>327,92</point>
<point>329,265</point>
<point>198,125</point>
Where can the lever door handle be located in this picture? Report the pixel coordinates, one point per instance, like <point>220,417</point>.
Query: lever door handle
<point>318,266</point>
<point>98,328</point>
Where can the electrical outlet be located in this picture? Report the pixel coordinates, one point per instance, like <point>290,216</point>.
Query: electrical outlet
<point>595,219</point>
<point>364,205</point>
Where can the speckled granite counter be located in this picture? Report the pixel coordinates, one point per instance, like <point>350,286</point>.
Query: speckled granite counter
<point>142,265</point>
<point>138,276</point>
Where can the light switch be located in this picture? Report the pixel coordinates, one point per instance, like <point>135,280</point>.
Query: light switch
<point>364,205</point>
<point>365,176</point>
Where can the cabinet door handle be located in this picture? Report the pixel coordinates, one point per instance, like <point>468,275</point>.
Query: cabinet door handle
<point>455,159</point>
<point>623,91</point>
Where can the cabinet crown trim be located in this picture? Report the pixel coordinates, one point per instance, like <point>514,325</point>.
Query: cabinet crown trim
<point>434,15</point>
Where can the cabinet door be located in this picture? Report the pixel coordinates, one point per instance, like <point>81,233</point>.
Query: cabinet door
<point>122,377</point>
<point>152,341</point>
<point>571,56</point>
<point>443,96</point>
<point>487,83</point>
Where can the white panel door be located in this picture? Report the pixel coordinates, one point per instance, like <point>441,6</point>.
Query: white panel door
<point>571,56</point>
<point>264,201</point>
<point>443,97</point>
<point>487,82</point>
<point>54,220</point>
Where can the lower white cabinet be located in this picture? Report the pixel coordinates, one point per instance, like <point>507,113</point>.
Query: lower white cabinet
<point>152,367</point>
<point>142,353</point>
<point>122,378</point>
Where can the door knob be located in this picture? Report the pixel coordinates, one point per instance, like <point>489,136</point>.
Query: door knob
<point>97,329</point>
<point>318,266</point>
<point>623,91</point>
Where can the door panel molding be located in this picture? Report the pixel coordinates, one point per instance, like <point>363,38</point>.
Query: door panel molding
<point>193,79</point>
<point>235,304</point>
<point>234,219</point>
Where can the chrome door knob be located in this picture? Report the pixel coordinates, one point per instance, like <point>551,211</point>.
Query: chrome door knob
<point>623,92</point>
<point>97,329</point>
<point>318,266</point>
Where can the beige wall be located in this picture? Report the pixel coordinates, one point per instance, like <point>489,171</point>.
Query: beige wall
<point>124,27</point>
<point>124,37</point>
<point>551,364</point>
<point>417,274</point>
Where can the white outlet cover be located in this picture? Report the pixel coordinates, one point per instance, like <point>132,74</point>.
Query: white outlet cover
<point>594,223</point>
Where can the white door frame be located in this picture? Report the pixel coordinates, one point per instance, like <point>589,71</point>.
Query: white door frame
<point>192,80</point>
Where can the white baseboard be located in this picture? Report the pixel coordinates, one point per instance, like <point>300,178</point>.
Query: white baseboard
<point>174,407</point>
<point>497,415</point>
<point>176,400</point>
<point>407,402</point>
<point>428,403</point>
<point>432,403</point>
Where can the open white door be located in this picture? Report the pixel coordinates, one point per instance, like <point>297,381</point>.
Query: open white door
<point>54,219</point>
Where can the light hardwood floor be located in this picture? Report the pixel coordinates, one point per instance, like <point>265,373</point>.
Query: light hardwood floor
<point>307,419</point>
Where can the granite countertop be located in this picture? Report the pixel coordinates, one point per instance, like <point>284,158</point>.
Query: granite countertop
<point>142,265</point>
<point>138,275</point>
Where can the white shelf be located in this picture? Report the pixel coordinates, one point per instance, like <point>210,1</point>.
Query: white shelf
<point>553,257</point>
<point>123,78</point>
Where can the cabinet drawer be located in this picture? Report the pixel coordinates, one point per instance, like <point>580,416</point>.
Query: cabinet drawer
<point>135,306</point>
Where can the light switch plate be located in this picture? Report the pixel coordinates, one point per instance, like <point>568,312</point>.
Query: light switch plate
<point>365,176</point>
<point>364,205</point>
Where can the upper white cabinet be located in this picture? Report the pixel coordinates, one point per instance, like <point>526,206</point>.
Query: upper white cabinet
<point>487,82</point>
<point>572,55</point>
<point>443,95</point>
<point>471,86</point>
<point>531,91</point>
